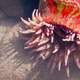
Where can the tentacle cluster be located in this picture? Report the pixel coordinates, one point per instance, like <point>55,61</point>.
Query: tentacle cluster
<point>52,41</point>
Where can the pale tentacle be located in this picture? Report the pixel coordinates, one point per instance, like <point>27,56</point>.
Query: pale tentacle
<point>27,31</point>
<point>67,56</point>
<point>25,22</point>
<point>33,15</point>
<point>37,20</point>
<point>44,41</point>
<point>77,60</point>
<point>32,22</point>
<point>59,65</point>
<point>37,14</point>
<point>56,48</point>
<point>67,71</point>
<point>40,18</point>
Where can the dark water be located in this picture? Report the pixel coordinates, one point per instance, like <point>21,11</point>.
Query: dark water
<point>29,6</point>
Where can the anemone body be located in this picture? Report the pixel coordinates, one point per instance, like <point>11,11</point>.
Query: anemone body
<point>54,40</point>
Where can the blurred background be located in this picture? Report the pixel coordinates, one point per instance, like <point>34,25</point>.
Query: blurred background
<point>17,8</point>
<point>15,62</point>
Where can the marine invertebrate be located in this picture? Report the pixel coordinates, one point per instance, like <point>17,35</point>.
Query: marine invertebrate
<point>56,36</point>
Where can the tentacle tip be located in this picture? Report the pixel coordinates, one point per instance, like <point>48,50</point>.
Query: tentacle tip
<point>21,18</point>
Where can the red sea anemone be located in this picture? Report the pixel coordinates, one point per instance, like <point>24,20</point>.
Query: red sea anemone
<point>56,36</point>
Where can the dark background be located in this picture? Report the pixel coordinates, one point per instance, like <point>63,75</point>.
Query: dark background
<point>29,6</point>
<point>17,8</point>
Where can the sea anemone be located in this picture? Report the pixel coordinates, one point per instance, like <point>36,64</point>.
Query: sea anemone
<point>55,37</point>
